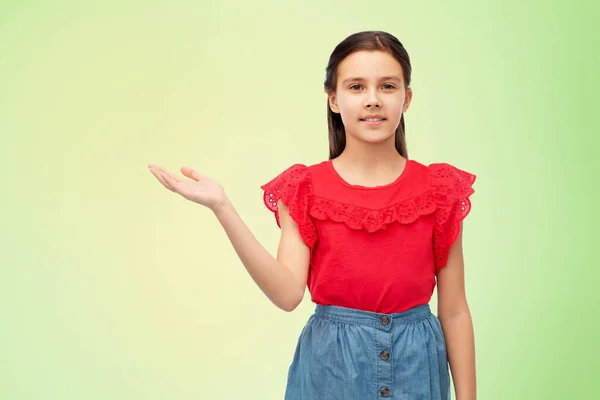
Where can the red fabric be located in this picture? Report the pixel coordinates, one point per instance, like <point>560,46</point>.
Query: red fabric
<point>375,249</point>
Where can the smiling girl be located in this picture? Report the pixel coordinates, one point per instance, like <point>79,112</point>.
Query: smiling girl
<point>370,232</point>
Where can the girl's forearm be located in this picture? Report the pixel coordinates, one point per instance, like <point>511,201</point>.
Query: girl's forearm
<point>460,342</point>
<point>275,280</point>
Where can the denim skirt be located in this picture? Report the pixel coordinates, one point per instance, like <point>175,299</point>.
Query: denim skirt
<point>348,354</point>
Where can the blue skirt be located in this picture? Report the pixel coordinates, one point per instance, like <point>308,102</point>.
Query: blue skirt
<point>349,354</point>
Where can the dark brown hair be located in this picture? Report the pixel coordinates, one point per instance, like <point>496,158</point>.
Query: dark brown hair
<point>369,41</point>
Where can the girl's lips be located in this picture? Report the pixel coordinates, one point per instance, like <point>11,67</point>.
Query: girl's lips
<point>372,116</point>
<point>373,121</point>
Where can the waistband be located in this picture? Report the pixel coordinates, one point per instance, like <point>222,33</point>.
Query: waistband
<point>369,318</point>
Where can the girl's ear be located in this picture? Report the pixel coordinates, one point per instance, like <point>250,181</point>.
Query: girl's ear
<point>407,99</point>
<point>333,103</point>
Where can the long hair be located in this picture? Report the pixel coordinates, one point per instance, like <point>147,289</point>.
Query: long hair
<point>369,41</point>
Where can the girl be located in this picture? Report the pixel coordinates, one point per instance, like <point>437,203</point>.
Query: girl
<point>368,231</point>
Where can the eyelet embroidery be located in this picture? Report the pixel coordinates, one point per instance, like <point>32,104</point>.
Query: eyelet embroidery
<point>452,187</point>
<point>448,198</point>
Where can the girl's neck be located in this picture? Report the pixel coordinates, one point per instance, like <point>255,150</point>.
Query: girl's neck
<point>370,156</point>
<point>369,164</point>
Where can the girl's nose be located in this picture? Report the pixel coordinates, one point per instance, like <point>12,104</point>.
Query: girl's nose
<point>372,101</point>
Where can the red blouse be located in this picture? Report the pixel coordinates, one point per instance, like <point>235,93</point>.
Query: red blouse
<point>378,248</point>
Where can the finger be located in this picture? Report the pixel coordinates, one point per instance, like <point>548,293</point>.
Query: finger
<point>173,178</point>
<point>171,183</point>
<point>191,173</point>
<point>160,178</point>
<point>165,182</point>
<point>154,171</point>
<point>166,172</point>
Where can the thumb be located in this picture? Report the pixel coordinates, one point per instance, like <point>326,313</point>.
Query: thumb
<point>191,173</point>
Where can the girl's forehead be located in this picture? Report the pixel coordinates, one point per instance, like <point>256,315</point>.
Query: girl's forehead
<point>369,64</point>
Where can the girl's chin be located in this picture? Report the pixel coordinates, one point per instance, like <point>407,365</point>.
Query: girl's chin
<point>375,137</point>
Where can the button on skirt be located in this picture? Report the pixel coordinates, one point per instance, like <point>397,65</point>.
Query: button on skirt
<point>349,354</point>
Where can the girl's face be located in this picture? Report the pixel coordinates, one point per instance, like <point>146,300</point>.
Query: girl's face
<point>370,96</point>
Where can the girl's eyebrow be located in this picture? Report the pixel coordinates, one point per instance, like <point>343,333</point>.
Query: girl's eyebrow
<point>383,78</point>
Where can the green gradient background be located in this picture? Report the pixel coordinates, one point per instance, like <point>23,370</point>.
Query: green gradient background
<point>112,287</point>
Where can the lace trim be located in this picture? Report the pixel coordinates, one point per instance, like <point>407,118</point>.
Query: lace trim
<point>448,198</point>
<point>452,188</point>
<point>356,217</point>
<point>294,189</point>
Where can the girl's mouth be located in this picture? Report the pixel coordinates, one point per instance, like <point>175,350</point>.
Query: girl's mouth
<point>373,121</point>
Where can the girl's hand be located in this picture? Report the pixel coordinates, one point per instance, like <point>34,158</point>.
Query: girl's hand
<point>198,188</point>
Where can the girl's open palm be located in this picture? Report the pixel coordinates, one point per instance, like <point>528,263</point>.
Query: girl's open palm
<point>192,186</point>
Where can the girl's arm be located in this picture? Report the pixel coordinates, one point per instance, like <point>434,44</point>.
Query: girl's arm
<point>282,279</point>
<point>455,317</point>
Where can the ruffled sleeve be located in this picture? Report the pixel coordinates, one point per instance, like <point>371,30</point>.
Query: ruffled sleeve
<point>294,188</point>
<point>452,188</point>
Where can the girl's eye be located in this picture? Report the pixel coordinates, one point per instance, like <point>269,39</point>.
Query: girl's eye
<point>387,86</point>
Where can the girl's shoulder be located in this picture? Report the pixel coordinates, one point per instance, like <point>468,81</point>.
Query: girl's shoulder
<point>297,174</point>
<point>443,173</point>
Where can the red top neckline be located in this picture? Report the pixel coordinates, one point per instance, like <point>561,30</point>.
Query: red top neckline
<point>399,179</point>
